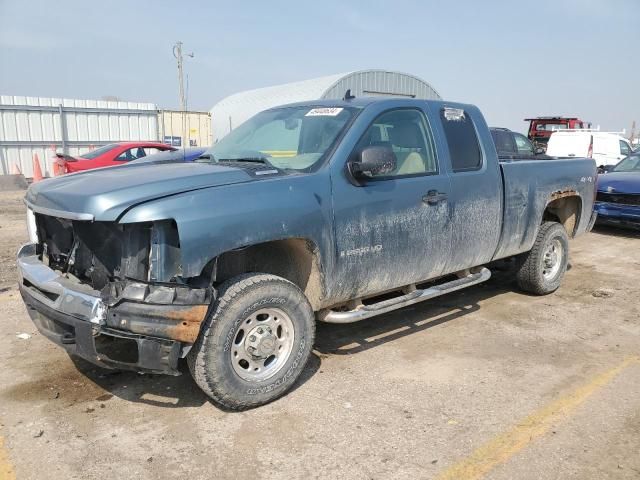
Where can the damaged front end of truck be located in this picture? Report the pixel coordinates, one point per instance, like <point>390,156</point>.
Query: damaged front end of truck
<point>112,293</point>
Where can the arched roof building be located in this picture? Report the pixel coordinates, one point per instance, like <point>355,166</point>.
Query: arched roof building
<point>237,108</point>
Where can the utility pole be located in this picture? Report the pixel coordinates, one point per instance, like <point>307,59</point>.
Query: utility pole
<point>177,52</point>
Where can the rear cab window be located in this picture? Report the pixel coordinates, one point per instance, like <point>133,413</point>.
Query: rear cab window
<point>462,140</point>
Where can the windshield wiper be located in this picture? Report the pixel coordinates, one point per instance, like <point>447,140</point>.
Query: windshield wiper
<point>262,160</point>
<point>246,159</point>
<point>250,159</point>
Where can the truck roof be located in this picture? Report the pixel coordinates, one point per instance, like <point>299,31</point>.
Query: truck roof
<point>587,132</point>
<point>362,102</point>
<point>551,118</point>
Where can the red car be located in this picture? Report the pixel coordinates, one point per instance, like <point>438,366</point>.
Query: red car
<point>109,155</point>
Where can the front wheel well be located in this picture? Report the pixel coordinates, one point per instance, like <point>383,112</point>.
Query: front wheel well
<point>295,259</point>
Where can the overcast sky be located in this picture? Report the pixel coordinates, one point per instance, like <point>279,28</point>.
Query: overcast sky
<point>512,58</point>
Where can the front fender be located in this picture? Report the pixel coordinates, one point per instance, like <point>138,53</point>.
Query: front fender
<point>215,220</point>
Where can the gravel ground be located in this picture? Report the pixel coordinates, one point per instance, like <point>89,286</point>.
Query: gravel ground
<point>484,383</point>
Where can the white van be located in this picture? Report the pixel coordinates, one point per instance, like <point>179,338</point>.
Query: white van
<point>604,147</point>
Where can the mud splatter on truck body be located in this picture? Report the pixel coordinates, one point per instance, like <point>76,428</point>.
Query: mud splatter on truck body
<point>141,250</point>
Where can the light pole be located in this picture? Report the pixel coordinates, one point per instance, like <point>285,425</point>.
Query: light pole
<point>177,52</point>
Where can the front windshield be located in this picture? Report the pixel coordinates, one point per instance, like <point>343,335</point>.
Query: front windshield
<point>98,151</point>
<point>287,138</point>
<point>629,164</point>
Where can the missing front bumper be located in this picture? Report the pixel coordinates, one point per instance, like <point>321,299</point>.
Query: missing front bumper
<point>128,333</point>
<point>104,347</point>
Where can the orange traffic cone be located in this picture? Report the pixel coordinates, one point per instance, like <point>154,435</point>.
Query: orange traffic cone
<point>15,169</point>
<point>54,161</point>
<point>37,172</point>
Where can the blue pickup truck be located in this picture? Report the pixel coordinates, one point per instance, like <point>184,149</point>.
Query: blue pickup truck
<point>333,211</point>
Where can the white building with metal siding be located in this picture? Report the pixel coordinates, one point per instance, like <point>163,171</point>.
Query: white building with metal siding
<point>235,109</point>
<point>36,125</point>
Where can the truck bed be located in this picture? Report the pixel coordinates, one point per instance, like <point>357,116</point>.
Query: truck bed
<point>528,186</point>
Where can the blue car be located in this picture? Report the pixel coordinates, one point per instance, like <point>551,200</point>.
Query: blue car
<point>618,198</point>
<point>188,154</point>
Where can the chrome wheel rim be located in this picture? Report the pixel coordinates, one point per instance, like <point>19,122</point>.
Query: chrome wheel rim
<point>262,344</point>
<point>552,259</point>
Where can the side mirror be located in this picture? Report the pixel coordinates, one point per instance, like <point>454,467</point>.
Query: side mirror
<point>538,151</point>
<point>372,161</point>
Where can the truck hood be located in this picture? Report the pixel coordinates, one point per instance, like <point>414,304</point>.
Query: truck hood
<point>619,182</point>
<point>104,194</point>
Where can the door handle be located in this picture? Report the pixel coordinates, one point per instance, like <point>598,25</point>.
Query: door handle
<point>433,197</point>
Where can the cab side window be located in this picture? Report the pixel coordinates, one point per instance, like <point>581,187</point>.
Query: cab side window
<point>523,144</point>
<point>407,133</point>
<point>153,150</point>
<point>462,140</point>
<point>624,148</point>
<point>503,141</point>
<point>131,154</point>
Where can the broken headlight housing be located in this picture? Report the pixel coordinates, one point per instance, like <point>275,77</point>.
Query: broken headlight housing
<point>31,226</point>
<point>164,252</point>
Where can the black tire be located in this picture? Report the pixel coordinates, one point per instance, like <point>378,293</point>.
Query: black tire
<point>534,275</point>
<point>210,359</point>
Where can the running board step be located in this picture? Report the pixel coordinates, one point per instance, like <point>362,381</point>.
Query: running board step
<point>368,311</point>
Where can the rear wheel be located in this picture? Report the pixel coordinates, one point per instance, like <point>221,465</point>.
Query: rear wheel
<point>255,343</point>
<point>541,270</point>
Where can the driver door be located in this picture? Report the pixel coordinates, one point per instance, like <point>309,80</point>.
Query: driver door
<point>393,230</point>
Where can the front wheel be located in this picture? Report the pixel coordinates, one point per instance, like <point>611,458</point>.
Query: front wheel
<point>255,342</point>
<point>541,270</point>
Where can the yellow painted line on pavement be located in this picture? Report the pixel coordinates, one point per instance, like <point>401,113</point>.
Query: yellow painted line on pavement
<point>504,446</point>
<point>6,469</point>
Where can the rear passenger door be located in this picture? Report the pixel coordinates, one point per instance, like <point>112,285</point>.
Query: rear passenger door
<point>476,187</point>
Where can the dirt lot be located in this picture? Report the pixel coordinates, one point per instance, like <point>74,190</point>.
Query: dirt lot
<point>485,383</point>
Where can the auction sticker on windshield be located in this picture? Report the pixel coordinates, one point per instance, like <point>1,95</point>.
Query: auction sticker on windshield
<point>324,112</point>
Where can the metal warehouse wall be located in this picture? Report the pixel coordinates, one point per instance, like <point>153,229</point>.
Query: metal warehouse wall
<point>30,125</point>
<point>195,126</point>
